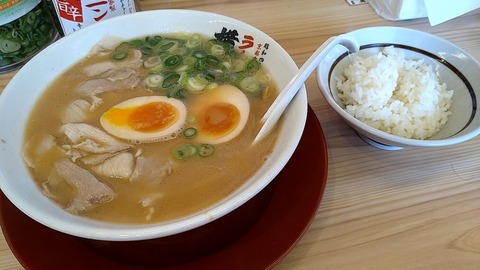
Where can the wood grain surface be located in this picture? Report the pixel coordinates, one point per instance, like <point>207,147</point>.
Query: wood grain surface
<point>408,209</point>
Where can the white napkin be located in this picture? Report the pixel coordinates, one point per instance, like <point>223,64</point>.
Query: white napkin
<point>440,11</point>
<point>437,11</point>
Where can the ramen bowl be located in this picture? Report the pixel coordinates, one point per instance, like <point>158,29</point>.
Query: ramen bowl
<point>454,67</point>
<point>28,85</point>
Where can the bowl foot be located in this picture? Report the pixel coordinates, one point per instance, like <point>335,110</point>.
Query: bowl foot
<point>378,144</point>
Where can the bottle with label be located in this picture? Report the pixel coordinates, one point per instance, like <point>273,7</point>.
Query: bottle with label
<point>26,27</point>
<point>73,15</point>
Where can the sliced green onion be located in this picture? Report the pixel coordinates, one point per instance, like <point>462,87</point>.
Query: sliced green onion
<point>211,86</point>
<point>194,41</point>
<point>31,18</point>
<point>167,46</point>
<point>152,42</point>
<point>121,51</point>
<point>181,51</point>
<point>153,62</point>
<point>209,76</point>
<point>170,80</point>
<point>118,56</point>
<point>8,46</point>
<point>146,50</point>
<point>156,69</point>
<point>251,86</point>
<point>197,83</point>
<point>187,65</point>
<point>217,49</point>
<point>182,68</point>
<point>190,61</point>
<point>226,65</point>
<point>199,54</point>
<point>206,150</point>
<point>173,61</point>
<point>212,60</point>
<point>124,46</point>
<point>238,65</point>
<point>136,43</point>
<point>185,151</point>
<point>178,93</point>
<point>253,65</point>
<point>153,81</point>
<point>190,132</point>
<point>263,79</point>
<point>200,65</point>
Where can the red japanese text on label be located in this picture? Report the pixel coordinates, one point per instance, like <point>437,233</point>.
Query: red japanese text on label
<point>75,14</point>
<point>70,10</point>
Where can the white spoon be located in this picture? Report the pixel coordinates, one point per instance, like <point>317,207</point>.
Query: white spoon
<point>279,105</point>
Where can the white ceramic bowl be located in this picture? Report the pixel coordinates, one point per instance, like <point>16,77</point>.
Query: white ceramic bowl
<point>28,84</point>
<point>455,67</point>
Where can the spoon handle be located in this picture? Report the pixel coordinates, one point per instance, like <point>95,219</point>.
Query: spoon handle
<point>279,105</point>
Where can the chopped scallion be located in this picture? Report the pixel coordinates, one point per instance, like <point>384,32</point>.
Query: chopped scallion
<point>167,46</point>
<point>197,83</point>
<point>190,132</point>
<point>119,56</point>
<point>209,76</point>
<point>238,65</point>
<point>251,85</point>
<point>199,54</point>
<point>172,61</point>
<point>170,80</point>
<point>153,62</point>
<point>212,60</point>
<point>182,65</point>
<point>153,81</point>
<point>185,151</point>
<point>217,49</point>
<point>152,42</point>
<point>178,93</point>
<point>206,150</point>
<point>146,50</point>
<point>124,47</point>
<point>253,65</point>
<point>194,41</point>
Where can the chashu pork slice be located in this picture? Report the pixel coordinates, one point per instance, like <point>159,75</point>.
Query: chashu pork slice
<point>89,190</point>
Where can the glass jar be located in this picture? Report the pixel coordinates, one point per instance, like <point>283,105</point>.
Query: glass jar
<point>73,15</point>
<point>26,27</point>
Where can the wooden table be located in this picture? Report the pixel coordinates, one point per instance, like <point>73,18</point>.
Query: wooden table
<point>408,209</point>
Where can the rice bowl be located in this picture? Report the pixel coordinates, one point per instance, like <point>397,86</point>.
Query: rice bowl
<point>454,67</point>
<point>399,96</point>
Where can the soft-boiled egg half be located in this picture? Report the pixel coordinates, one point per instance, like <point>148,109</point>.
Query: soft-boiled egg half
<point>219,114</point>
<point>145,119</point>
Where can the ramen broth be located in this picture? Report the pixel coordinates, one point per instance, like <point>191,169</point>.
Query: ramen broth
<point>166,186</point>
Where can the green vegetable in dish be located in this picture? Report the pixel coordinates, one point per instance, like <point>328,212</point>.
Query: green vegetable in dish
<point>190,132</point>
<point>191,63</point>
<point>185,151</point>
<point>206,150</point>
<point>25,36</point>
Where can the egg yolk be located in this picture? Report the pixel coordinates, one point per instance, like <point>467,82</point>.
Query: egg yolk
<point>219,119</point>
<point>152,116</point>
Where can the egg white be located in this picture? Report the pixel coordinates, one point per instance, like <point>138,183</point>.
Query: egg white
<point>221,94</point>
<point>135,136</point>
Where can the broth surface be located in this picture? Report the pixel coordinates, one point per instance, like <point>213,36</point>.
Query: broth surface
<point>169,187</point>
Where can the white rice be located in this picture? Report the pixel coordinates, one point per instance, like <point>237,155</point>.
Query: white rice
<point>398,96</point>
